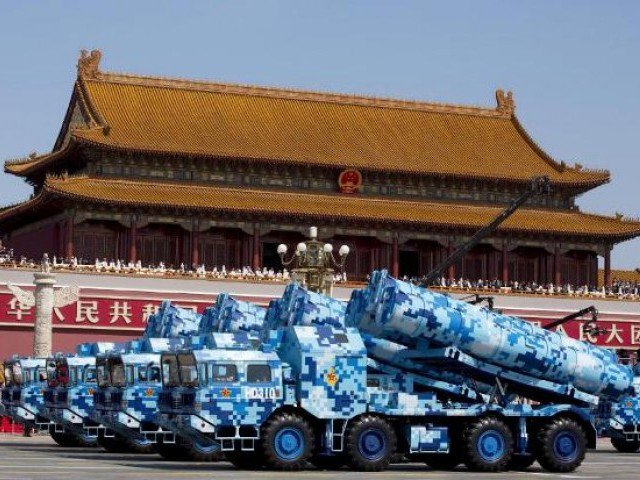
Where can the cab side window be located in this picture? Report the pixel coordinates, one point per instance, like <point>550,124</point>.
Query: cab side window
<point>258,373</point>
<point>203,373</point>
<point>130,376</point>
<point>154,374</point>
<point>90,375</point>
<point>225,373</point>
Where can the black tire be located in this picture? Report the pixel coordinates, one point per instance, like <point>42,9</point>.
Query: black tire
<point>560,445</point>
<point>370,443</point>
<point>64,439</point>
<point>328,462</point>
<point>520,463</point>
<point>624,446</point>
<point>143,447</point>
<point>443,461</point>
<point>244,460</point>
<point>173,452</point>
<point>488,445</point>
<point>201,453</point>
<point>85,441</point>
<point>286,442</point>
<point>115,444</point>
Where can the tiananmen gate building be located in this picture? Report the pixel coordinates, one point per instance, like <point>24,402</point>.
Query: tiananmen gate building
<point>177,171</point>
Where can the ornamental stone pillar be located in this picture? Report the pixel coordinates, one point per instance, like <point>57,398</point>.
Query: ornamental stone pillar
<point>45,299</point>
<point>44,303</point>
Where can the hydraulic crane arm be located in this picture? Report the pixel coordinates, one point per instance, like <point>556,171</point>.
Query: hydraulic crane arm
<point>539,186</point>
<point>592,310</point>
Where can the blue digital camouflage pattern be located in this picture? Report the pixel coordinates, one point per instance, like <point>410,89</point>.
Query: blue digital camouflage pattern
<point>428,439</point>
<point>27,399</point>
<point>299,306</point>
<point>229,324</point>
<point>230,401</point>
<point>172,322</point>
<point>408,314</point>
<point>330,368</point>
<point>620,419</point>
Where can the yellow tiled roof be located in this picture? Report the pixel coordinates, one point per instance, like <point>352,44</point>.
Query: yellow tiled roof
<point>278,125</point>
<point>327,206</point>
<point>621,275</point>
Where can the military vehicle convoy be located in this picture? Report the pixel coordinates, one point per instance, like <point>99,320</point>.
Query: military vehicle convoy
<point>398,370</point>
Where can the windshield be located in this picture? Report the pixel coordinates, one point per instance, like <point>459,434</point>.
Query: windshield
<point>170,376</point>
<point>8,375</point>
<point>89,374</point>
<point>102,372</point>
<point>52,381</point>
<point>188,370</point>
<point>17,373</point>
<point>62,372</point>
<point>40,375</point>
<point>116,372</point>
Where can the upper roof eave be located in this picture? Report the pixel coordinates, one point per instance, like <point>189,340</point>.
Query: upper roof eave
<point>585,179</point>
<point>147,194</point>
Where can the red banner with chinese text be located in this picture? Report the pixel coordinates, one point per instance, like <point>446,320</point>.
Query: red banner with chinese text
<point>126,311</point>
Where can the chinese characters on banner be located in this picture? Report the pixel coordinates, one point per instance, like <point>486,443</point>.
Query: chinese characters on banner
<point>117,310</point>
<point>96,311</point>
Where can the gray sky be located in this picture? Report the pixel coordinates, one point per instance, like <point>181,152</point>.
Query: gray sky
<point>573,65</point>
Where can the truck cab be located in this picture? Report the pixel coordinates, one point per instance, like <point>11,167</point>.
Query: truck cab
<point>25,380</point>
<point>125,403</point>
<point>620,420</point>
<point>246,401</point>
<point>69,399</point>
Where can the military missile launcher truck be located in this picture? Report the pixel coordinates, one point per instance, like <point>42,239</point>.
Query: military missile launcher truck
<point>399,371</point>
<point>126,400</point>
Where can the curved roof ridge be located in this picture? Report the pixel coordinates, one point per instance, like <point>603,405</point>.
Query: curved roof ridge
<point>84,97</point>
<point>295,94</point>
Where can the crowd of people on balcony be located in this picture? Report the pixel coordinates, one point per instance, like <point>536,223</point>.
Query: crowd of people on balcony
<point>81,265</point>
<point>621,289</point>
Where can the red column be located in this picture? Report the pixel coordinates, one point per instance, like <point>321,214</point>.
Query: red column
<point>505,264</point>
<point>195,244</point>
<point>133,236</point>
<point>557,277</point>
<point>60,246</point>
<point>607,266</point>
<point>395,267</point>
<point>255,264</point>
<point>451,271</point>
<point>69,246</point>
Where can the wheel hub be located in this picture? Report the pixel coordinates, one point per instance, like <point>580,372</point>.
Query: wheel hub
<point>289,443</point>
<point>491,445</point>
<point>372,444</point>
<point>565,446</point>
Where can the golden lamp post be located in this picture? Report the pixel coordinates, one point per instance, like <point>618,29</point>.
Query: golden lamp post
<point>314,263</point>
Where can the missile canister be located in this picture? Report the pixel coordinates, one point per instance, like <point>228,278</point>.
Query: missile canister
<point>238,316</point>
<point>404,313</point>
<point>299,306</point>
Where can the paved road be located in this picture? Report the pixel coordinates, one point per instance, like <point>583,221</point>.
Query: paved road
<point>39,458</point>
